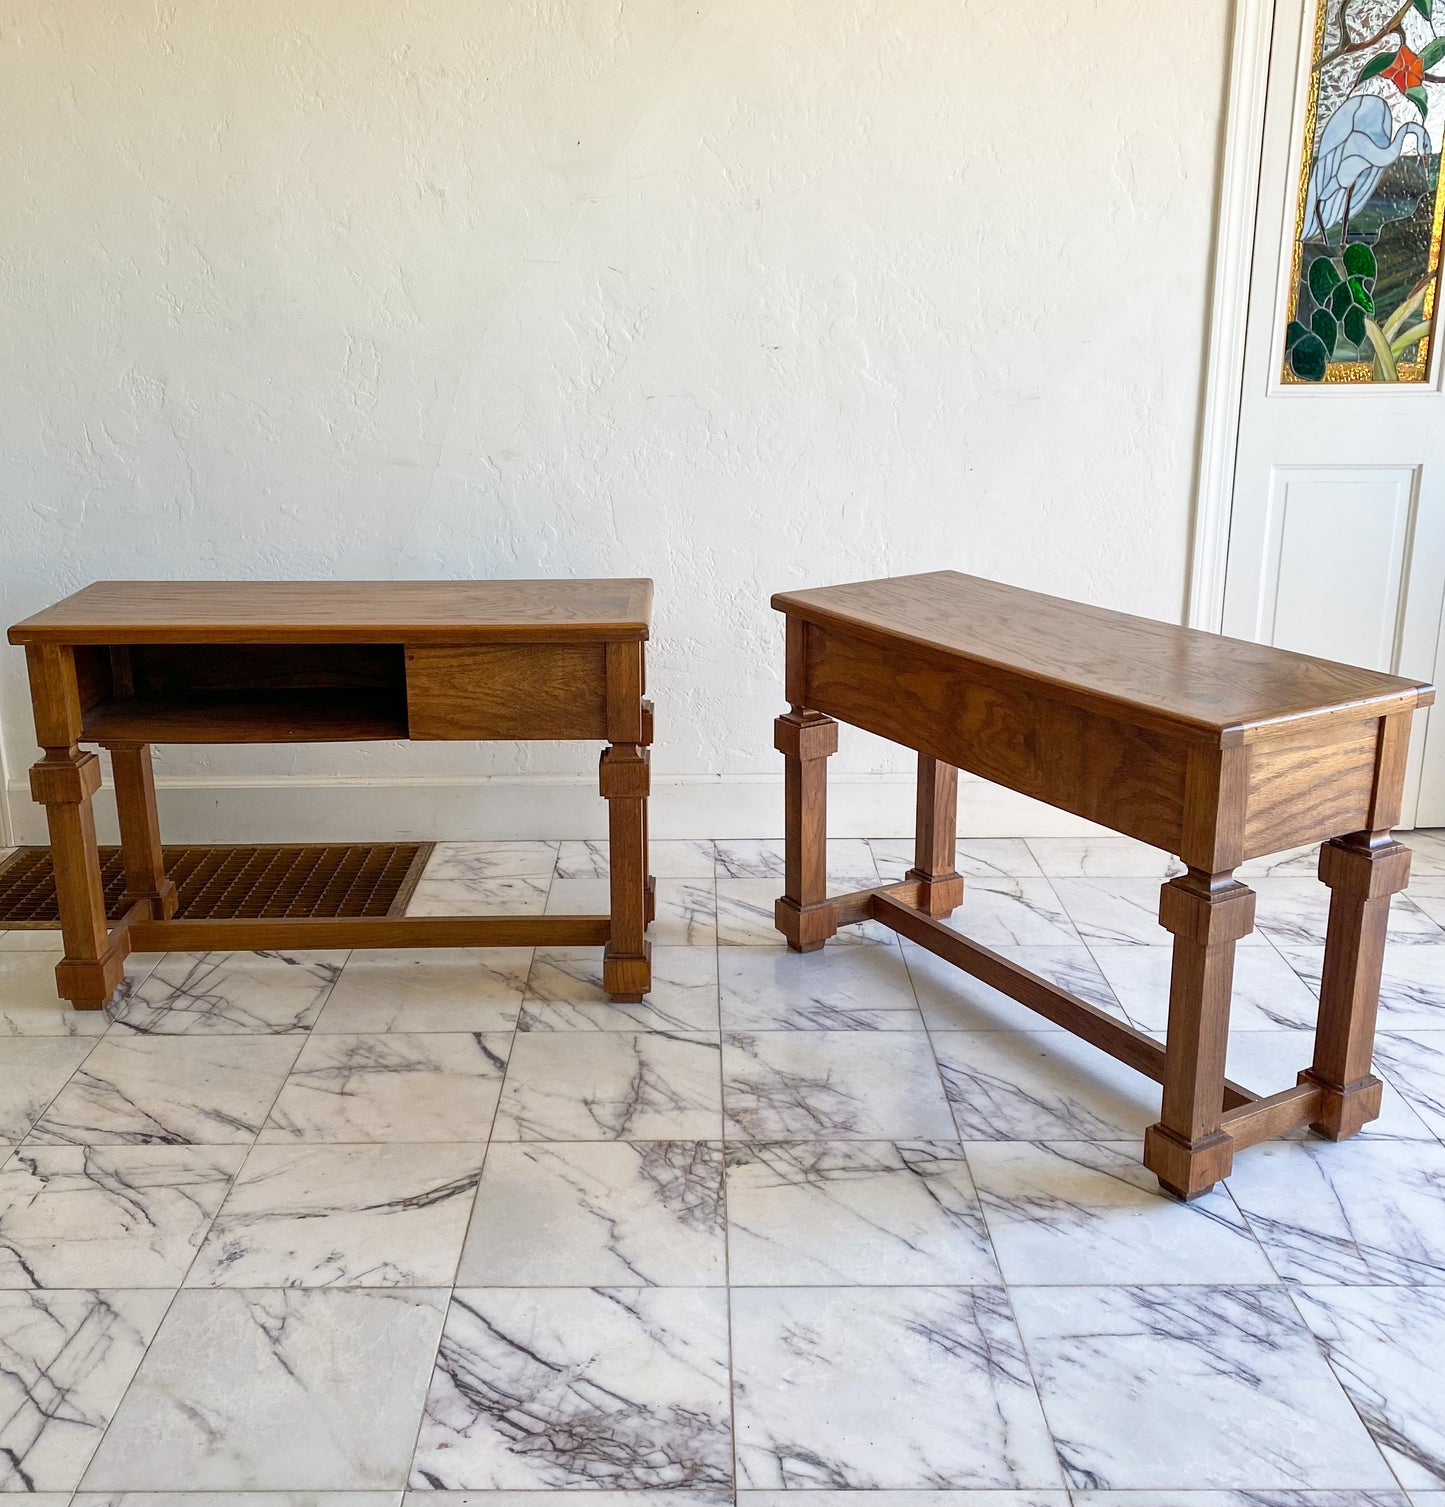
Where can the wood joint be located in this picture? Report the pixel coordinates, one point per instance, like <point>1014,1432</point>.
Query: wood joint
<point>66,779</point>
<point>1342,1111</point>
<point>805,735</point>
<point>1205,913</point>
<point>1188,1169</point>
<point>625,772</point>
<point>1369,872</point>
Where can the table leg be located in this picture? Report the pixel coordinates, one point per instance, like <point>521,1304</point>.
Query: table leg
<point>1207,914</point>
<point>803,914</point>
<point>936,841</point>
<point>1362,872</point>
<point>624,781</point>
<point>140,831</point>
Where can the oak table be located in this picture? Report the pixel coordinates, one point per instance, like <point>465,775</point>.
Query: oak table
<point>125,664</point>
<point>1210,748</point>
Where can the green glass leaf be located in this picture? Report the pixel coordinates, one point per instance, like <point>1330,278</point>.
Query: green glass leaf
<point>1309,360</point>
<point>1326,329</point>
<point>1361,295</point>
<point>1360,261</point>
<point>1294,333</point>
<point>1419,99</point>
<point>1377,65</point>
<point>1323,279</point>
<point>1354,325</point>
<point>1425,7</point>
<point>1432,52</point>
<point>1341,299</point>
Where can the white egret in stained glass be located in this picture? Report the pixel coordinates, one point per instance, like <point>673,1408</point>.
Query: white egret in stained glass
<point>1356,146</point>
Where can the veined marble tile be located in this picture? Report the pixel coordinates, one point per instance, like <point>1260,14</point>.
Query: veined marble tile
<point>469,861</point>
<point>1207,1387</point>
<point>666,1497</point>
<point>1268,994</point>
<point>565,993</point>
<point>429,989</point>
<point>686,908</point>
<point>1071,1212</point>
<point>672,858</point>
<point>334,1383</point>
<point>745,916</point>
<point>33,1069</point>
<point>953,1000</point>
<point>884,1387</point>
<point>28,1002</point>
<point>520,896</point>
<point>1102,858</point>
<point>73,1216</point>
<point>1294,913</point>
<point>178,1090</point>
<point>1041,1086</point>
<point>1385,1345</point>
<point>342,1216</point>
<point>596,1214</point>
<point>1428,895</point>
<point>834,1212</point>
<point>832,1085</point>
<point>1414,1063</point>
<point>30,938</point>
<point>1042,1498</point>
<point>546,1388</point>
<point>1292,863</point>
<point>65,1360</point>
<point>1429,849</point>
<point>1412,983</point>
<point>1280,1497</point>
<point>1122,913</point>
<point>837,989</point>
<point>392,1086</point>
<point>234,1499</point>
<point>1357,1211</point>
<point>231,993</point>
<point>1013,913</point>
<point>850,861</point>
<point>610,1086</point>
<point>975,858</point>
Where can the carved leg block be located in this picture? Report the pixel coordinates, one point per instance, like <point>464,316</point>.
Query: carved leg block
<point>624,779</point>
<point>804,914</point>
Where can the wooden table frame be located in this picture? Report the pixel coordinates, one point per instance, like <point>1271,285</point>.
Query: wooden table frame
<point>124,665</point>
<point>1098,727</point>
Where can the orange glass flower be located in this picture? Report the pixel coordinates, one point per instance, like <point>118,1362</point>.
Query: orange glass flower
<point>1407,71</point>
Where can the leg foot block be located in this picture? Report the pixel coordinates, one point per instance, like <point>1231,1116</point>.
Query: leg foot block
<point>806,927</point>
<point>1344,1111</point>
<point>939,895</point>
<point>627,976</point>
<point>88,983</point>
<point>1187,1169</point>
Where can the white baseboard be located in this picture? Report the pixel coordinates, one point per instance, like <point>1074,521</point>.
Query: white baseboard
<point>300,809</point>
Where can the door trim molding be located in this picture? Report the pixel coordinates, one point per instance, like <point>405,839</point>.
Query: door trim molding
<point>1240,169</point>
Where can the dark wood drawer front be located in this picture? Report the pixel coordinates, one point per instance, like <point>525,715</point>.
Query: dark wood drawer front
<point>507,691</point>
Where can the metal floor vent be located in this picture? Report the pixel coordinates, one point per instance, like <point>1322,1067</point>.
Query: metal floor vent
<point>282,880</point>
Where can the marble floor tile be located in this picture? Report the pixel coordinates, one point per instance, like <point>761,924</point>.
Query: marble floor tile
<point>33,1070</point>
<point>884,1387</point>
<point>186,1090</point>
<point>469,861</point>
<point>669,858</point>
<point>1412,983</point>
<point>65,1360</point>
<point>603,1388</point>
<point>1280,1497</point>
<point>1122,912</point>
<point>1082,1212</point>
<point>565,993</point>
<point>520,896</point>
<point>342,1216</point>
<point>1386,1346</point>
<point>837,989</point>
<point>392,1086</point>
<point>1207,1387</point>
<point>1357,1211</point>
<point>851,863</point>
<point>686,908</point>
<point>832,1085</point>
<point>745,916</point>
<point>974,858</point>
<point>28,1002</point>
<point>428,989</point>
<point>1102,858</point>
<point>334,1387</point>
<point>1293,912</point>
<point>1428,895</point>
<point>1428,848</point>
<point>986,1498</point>
<point>647,1497</point>
<point>952,1000</point>
<point>1268,993</point>
<point>1414,1063</point>
<point>234,1499</point>
<point>30,938</point>
<point>1013,913</point>
<point>610,1086</point>
<point>1041,1086</point>
<point>598,1214</point>
<point>73,1216</point>
<point>1291,863</point>
<point>231,993</point>
<point>841,1212</point>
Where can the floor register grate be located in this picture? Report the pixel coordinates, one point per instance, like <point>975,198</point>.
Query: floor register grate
<point>283,880</point>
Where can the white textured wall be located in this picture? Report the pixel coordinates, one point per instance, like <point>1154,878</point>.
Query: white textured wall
<point>739,294</point>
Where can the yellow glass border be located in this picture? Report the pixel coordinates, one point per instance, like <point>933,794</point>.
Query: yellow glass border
<point>1353,373</point>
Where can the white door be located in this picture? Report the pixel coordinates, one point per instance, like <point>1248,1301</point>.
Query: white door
<point>1337,530</point>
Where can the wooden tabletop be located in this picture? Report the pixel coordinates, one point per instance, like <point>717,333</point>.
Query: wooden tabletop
<point>1162,673</point>
<point>334,612</point>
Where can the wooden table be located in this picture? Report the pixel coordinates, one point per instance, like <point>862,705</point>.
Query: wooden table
<point>1210,748</point>
<point>125,664</point>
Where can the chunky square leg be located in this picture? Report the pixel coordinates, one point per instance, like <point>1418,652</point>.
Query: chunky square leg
<point>935,848</point>
<point>804,914</point>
